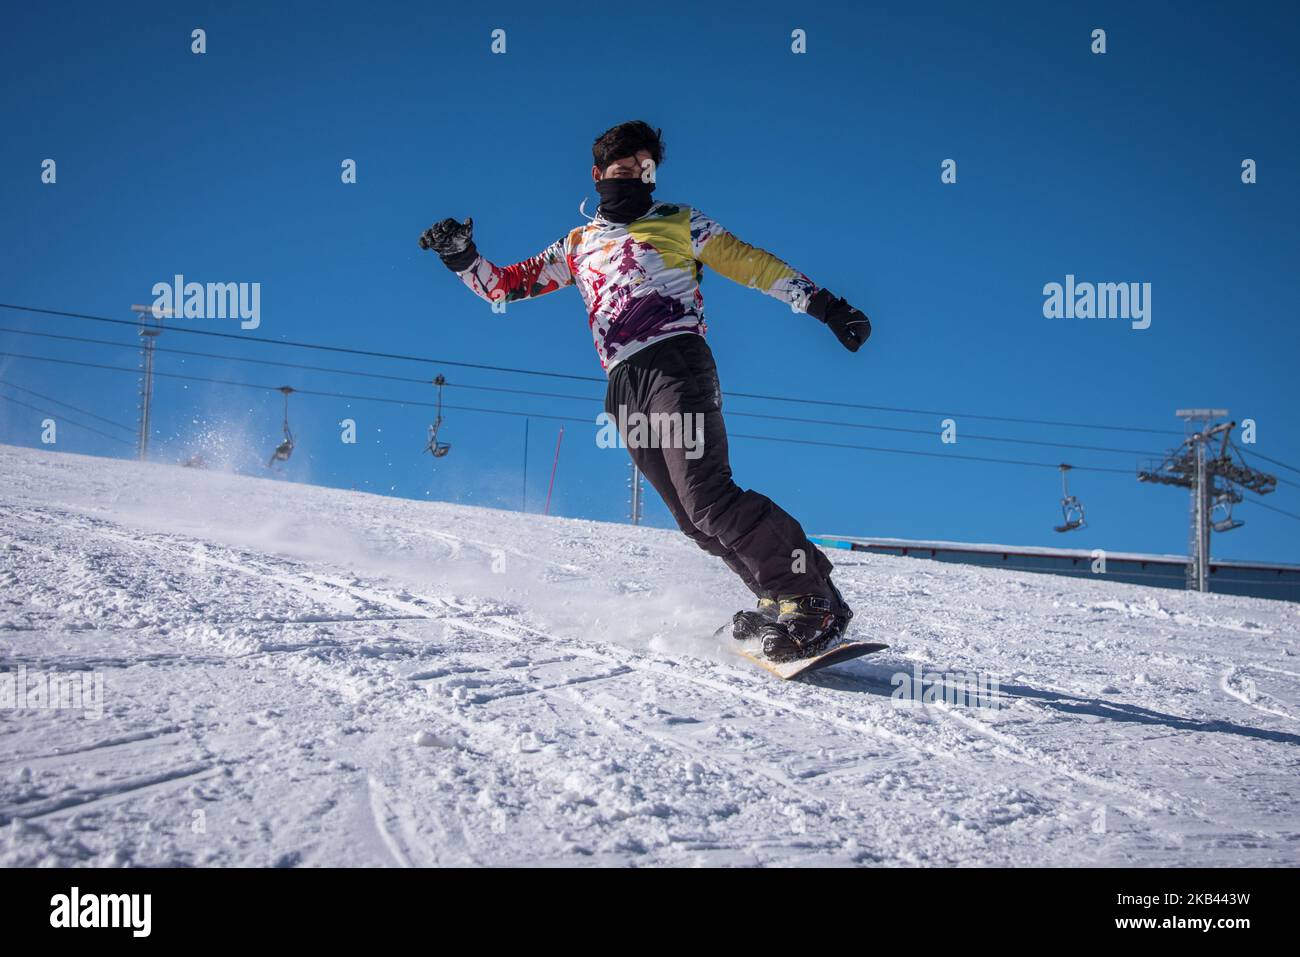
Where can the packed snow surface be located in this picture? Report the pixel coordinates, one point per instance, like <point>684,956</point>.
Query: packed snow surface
<point>280,674</point>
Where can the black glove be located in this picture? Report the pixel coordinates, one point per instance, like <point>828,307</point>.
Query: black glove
<point>851,326</point>
<point>452,241</point>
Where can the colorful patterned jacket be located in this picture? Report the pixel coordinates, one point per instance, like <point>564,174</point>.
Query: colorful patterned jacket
<point>640,280</point>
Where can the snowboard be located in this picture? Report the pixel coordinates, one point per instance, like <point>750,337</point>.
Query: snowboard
<point>843,650</point>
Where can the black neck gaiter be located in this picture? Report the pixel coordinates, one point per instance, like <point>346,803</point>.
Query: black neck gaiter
<point>623,199</point>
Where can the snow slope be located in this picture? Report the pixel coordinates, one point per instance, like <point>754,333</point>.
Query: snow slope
<point>296,675</point>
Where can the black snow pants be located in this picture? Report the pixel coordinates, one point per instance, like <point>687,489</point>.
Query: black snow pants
<point>758,540</point>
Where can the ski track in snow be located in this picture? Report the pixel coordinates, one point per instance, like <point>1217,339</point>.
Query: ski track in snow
<point>296,676</point>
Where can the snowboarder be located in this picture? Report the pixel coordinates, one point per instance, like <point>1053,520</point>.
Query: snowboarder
<point>637,264</point>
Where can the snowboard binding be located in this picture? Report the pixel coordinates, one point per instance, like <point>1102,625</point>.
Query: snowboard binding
<point>805,627</point>
<point>747,624</point>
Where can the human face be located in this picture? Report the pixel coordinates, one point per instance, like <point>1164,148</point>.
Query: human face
<point>625,168</point>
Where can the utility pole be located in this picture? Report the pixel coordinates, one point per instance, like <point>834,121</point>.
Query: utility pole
<point>1212,476</point>
<point>554,465</point>
<point>523,495</point>
<point>150,330</point>
<point>1198,535</point>
<point>637,494</point>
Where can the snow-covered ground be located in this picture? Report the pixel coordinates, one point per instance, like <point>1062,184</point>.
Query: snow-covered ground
<point>295,675</point>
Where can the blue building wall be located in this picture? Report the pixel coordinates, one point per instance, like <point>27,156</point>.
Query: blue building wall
<point>1255,579</point>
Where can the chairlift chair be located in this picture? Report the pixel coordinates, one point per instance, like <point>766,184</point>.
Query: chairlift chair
<point>285,448</point>
<point>1222,506</point>
<point>434,447</point>
<point>1071,509</point>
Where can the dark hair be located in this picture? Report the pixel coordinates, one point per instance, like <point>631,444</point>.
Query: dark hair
<point>628,139</point>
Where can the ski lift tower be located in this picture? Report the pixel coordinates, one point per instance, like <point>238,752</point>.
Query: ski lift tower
<point>150,329</point>
<point>1213,481</point>
<point>637,494</point>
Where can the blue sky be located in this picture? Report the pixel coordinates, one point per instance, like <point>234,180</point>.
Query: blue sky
<point>1123,167</point>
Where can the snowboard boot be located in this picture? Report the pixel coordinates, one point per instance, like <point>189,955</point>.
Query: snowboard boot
<point>805,627</point>
<point>746,624</point>
<point>842,608</point>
